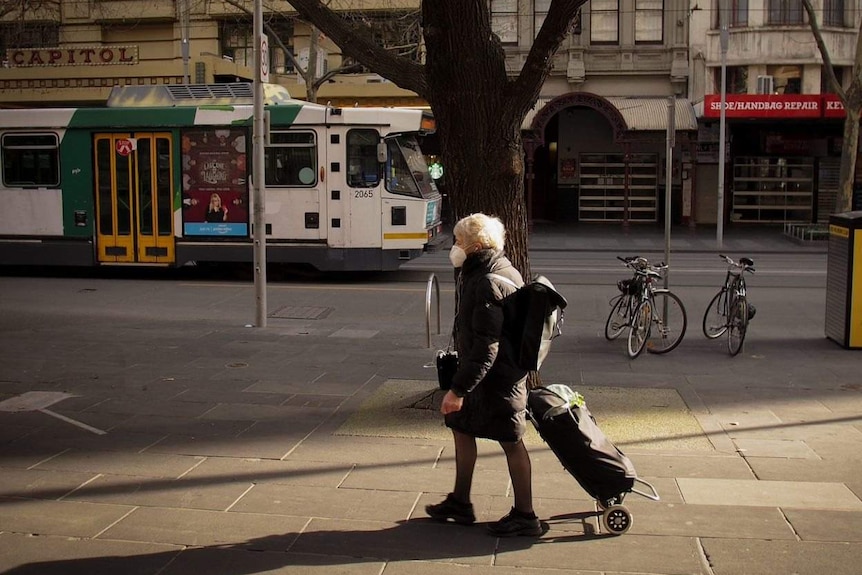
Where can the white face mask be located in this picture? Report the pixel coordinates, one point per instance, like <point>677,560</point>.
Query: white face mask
<point>457,256</point>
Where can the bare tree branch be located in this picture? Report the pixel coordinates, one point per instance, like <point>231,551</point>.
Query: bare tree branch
<point>824,52</point>
<point>540,60</point>
<point>355,42</point>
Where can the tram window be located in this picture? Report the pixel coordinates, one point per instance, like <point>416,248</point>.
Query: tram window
<point>400,173</point>
<point>291,159</point>
<point>363,171</point>
<point>31,160</point>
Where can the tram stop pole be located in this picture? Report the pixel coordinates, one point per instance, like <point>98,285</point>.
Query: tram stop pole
<point>261,73</point>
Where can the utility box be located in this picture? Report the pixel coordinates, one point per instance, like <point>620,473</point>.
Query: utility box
<point>844,280</point>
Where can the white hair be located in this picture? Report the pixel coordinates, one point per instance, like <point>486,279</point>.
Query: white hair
<point>486,230</point>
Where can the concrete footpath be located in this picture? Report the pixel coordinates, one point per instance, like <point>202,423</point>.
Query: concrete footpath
<point>145,429</point>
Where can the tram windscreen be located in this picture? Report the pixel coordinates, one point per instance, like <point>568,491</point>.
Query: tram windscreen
<point>406,170</point>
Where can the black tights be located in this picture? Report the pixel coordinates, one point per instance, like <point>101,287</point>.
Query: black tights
<point>517,459</point>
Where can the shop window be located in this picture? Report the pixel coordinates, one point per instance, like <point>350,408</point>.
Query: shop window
<point>649,21</point>
<point>237,42</point>
<point>784,12</point>
<point>31,160</point>
<point>291,159</point>
<point>786,79</point>
<point>362,167</point>
<point>604,22</point>
<point>736,80</point>
<point>833,13</point>
<point>504,20</point>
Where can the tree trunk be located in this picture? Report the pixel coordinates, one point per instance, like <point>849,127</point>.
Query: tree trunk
<point>480,136</point>
<point>844,201</point>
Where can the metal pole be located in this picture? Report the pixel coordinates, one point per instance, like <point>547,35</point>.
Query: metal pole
<point>184,44</point>
<point>258,184</point>
<point>723,38</point>
<point>668,179</point>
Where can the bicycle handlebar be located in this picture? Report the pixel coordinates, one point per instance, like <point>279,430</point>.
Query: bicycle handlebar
<point>745,264</point>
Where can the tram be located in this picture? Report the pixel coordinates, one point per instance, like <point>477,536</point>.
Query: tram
<point>161,177</point>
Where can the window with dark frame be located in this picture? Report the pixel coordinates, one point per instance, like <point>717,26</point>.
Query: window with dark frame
<point>28,35</point>
<point>784,12</point>
<point>504,20</point>
<point>237,42</point>
<point>363,170</point>
<point>31,160</point>
<point>649,21</point>
<point>833,13</point>
<point>291,159</point>
<point>736,80</point>
<point>604,22</point>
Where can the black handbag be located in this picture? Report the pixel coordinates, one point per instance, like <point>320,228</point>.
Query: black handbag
<point>447,365</point>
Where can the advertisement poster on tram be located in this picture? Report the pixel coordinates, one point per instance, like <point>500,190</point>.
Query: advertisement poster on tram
<point>214,176</point>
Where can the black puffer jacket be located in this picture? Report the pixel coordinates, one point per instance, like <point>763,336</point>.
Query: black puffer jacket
<point>493,387</point>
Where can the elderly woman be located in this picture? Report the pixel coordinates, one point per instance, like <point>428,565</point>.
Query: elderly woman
<point>488,396</point>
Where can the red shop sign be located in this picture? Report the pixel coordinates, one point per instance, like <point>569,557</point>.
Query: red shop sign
<point>764,106</point>
<point>832,106</point>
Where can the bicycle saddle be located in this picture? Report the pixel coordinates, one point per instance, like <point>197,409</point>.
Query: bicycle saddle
<point>746,261</point>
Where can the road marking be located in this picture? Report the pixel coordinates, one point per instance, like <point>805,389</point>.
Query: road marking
<point>40,401</point>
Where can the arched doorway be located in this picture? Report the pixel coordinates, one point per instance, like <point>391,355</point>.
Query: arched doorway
<point>584,165</point>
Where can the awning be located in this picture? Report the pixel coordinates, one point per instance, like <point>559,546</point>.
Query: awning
<point>640,114</point>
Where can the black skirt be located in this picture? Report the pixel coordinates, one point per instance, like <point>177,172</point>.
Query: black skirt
<point>493,410</point>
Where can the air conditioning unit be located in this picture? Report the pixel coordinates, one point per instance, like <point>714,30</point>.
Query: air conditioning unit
<point>765,85</point>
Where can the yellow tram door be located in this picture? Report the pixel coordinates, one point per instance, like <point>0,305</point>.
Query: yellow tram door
<point>133,184</point>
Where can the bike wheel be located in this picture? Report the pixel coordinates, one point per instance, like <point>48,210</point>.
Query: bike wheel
<point>737,325</point>
<point>618,317</point>
<point>667,324</point>
<point>715,317</point>
<point>639,329</point>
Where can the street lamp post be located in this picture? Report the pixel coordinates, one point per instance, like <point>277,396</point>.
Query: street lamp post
<point>258,184</point>
<point>723,39</point>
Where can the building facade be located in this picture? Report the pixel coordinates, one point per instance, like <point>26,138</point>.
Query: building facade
<point>784,124</point>
<point>596,142</point>
<point>72,53</point>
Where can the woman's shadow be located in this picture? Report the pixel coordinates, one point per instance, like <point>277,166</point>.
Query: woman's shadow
<point>319,545</point>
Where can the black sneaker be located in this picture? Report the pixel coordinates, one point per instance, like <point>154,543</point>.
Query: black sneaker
<point>516,523</point>
<point>451,508</point>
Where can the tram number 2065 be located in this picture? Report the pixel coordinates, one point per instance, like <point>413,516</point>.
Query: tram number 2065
<point>363,193</point>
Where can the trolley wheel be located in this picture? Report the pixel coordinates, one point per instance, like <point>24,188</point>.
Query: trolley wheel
<point>617,519</point>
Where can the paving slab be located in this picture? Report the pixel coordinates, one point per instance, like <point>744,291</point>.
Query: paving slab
<point>786,448</point>
<point>68,518</point>
<point>826,525</point>
<point>721,466</point>
<point>39,483</point>
<point>263,471</point>
<point>372,452</point>
<point>119,463</point>
<point>184,493</point>
<point>629,553</point>
<point>330,502</point>
<point>440,568</point>
<point>840,471</point>
<point>49,555</point>
<point>796,494</point>
<point>748,557</point>
<point>415,539</point>
<point>421,478</point>
<point>688,520</point>
<point>195,527</point>
<point>237,561</point>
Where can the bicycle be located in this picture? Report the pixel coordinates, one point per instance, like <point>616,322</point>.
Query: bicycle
<point>728,310</point>
<point>656,317</point>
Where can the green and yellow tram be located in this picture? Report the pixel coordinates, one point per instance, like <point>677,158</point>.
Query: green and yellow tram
<point>161,176</point>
